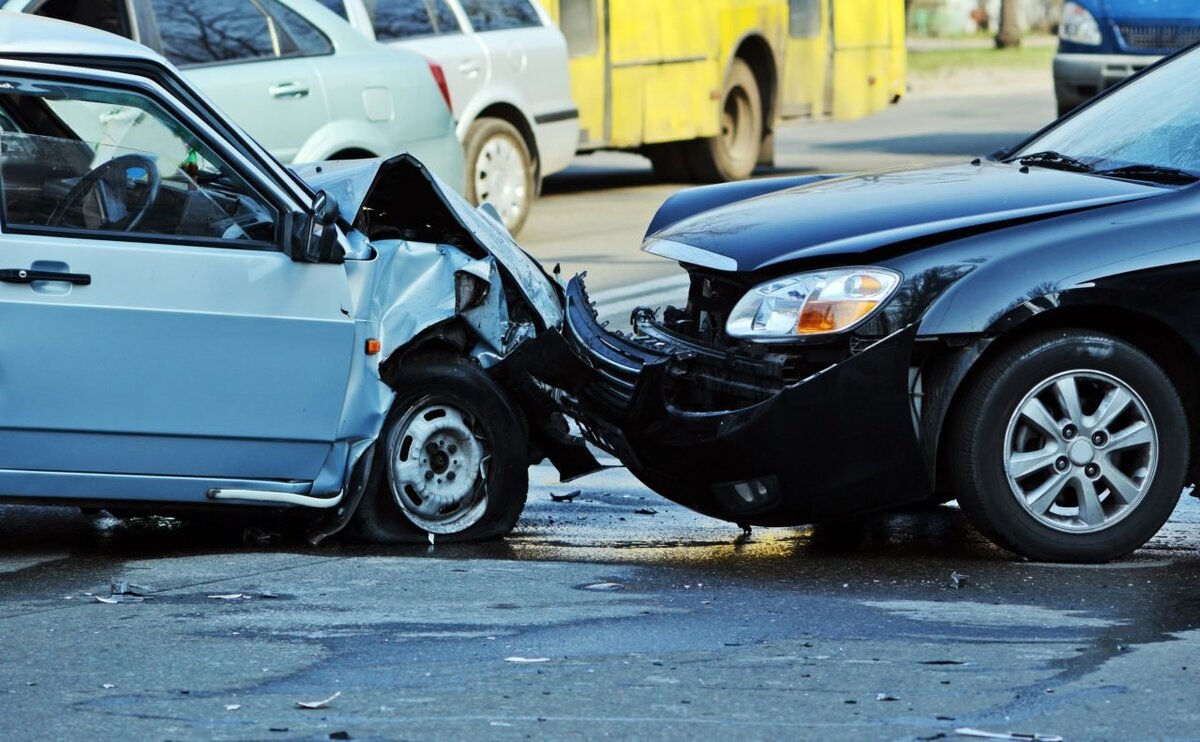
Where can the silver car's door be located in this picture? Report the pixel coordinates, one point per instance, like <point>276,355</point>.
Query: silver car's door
<point>431,28</point>
<point>254,59</point>
<point>522,50</point>
<point>152,327</point>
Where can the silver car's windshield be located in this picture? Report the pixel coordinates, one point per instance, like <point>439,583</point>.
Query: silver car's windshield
<point>1153,123</point>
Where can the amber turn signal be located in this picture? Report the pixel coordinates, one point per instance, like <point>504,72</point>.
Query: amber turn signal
<point>373,346</point>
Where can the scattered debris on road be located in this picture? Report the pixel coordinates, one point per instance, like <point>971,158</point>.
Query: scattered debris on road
<point>259,536</point>
<point>1023,736</point>
<point>957,580</point>
<point>122,587</point>
<point>565,498</point>
<point>317,704</point>
<point>231,596</point>
<point>232,706</point>
<point>526,660</point>
<point>885,697</point>
<point>605,586</point>
<point>108,686</point>
<point>119,599</point>
<point>646,511</point>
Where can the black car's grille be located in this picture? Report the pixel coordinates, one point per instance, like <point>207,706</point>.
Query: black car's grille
<point>1158,38</point>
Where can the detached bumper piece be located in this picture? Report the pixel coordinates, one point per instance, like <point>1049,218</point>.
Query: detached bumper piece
<point>730,436</point>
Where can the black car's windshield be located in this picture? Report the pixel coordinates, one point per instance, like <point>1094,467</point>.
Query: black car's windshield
<point>1149,130</point>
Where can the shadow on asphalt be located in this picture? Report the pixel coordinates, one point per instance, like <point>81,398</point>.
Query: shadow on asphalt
<point>586,178</point>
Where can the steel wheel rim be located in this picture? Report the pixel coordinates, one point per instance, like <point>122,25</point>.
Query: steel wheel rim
<point>500,178</point>
<point>438,467</point>
<point>1080,451</point>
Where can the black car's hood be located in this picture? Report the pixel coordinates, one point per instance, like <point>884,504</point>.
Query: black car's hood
<point>857,214</point>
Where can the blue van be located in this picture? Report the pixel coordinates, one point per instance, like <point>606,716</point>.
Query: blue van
<point>1102,42</point>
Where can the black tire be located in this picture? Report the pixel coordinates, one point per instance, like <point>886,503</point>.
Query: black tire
<point>732,154</point>
<point>670,162</point>
<point>516,200</point>
<point>981,427</point>
<point>460,385</point>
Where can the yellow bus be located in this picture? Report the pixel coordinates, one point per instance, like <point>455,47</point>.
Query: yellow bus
<point>699,86</point>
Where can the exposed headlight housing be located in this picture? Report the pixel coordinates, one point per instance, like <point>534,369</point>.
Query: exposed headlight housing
<point>807,304</point>
<point>1078,25</point>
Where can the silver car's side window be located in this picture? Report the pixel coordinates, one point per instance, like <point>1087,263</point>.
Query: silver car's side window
<point>196,32</point>
<point>110,162</point>
<point>407,19</point>
<point>497,15</point>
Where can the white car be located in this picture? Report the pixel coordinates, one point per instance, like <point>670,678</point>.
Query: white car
<point>510,88</point>
<point>294,75</point>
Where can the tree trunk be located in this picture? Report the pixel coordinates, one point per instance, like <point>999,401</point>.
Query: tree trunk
<point>1009,34</point>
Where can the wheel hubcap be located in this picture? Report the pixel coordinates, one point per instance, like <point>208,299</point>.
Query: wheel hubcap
<point>1081,451</point>
<point>500,178</point>
<point>736,131</point>
<point>438,468</point>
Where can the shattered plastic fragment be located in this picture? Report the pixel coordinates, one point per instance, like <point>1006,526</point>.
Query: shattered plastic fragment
<point>122,587</point>
<point>230,596</point>
<point>565,498</point>
<point>1027,737</point>
<point>232,706</point>
<point>646,511</point>
<point>605,586</point>
<point>885,697</point>
<point>317,704</point>
<point>526,660</point>
<point>957,580</point>
<point>107,686</point>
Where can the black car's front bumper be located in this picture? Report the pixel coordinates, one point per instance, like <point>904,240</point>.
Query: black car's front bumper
<point>838,442</point>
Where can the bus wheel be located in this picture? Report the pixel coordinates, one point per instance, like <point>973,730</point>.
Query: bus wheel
<point>733,153</point>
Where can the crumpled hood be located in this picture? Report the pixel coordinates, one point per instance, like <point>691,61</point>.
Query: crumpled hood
<point>854,215</point>
<point>352,182</point>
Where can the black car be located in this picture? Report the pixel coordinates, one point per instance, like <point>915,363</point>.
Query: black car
<point>1020,333</point>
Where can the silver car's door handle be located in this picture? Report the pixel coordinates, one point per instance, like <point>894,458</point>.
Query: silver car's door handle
<point>29,275</point>
<point>288,90</point>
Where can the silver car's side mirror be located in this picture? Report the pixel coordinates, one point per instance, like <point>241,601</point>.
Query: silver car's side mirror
<point>314,236</point>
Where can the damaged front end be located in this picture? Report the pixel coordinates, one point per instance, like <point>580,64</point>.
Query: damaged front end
<point>432,276</point>
<point>757,434</point>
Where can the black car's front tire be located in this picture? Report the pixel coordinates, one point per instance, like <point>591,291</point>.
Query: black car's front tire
<point>452,459</point>
<point>1069,446</point>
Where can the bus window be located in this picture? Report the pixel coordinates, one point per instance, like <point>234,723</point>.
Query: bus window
<point>579,26</point>
<point>805,18</point>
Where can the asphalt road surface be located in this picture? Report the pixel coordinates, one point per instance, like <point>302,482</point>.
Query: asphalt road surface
<point>616,614</point>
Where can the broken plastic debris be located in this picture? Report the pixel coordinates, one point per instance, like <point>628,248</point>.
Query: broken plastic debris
<point>119,598</point>
<point>122,587</point>
<point>230,596</point>
<point>258,536</point>
<point>1026,737</point>
<point>526,660</point>
<point>885,697</point>
<point>340,735</point>
<point>957,580</point>
<point>232,706</point>
<point>107,686</point>
<point>646,511</point>
<point>431,539</point>
<point>317,704</point>
<point>565,498</point>
<point>604,586</point>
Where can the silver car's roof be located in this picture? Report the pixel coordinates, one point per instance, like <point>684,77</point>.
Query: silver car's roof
<point>26,34</point>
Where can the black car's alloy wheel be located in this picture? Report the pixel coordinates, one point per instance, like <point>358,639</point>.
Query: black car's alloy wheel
<point>1069,446</point>
<point>452,459</point>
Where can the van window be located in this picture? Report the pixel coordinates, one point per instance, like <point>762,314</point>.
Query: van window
<point>406,19</point>
<point>206,31</point>
<point>804,20</point>
<point>496,15</point>
<point>578,22</point>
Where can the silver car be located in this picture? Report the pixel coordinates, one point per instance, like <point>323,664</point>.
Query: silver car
<point>295,76</point>
<point>508,81</point>
<point>189,323</point>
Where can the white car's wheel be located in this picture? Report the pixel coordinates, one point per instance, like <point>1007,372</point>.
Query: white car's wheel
<point>501,170</point>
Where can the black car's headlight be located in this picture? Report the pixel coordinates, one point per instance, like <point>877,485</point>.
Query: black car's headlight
<point>806,304</point>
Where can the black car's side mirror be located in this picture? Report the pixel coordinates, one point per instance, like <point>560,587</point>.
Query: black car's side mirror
<point>313,237</point>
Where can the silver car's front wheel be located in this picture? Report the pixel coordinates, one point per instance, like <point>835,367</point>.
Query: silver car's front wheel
<point>1069,445</point>
<point>438,468</point>
<point>1081,451</point>
<point>452,458</point>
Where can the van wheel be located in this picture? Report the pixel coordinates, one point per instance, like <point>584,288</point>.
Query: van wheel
<point>733,154</point>
<point>501,170</point>
<point>1071,446</point>
<point>453,459</point>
